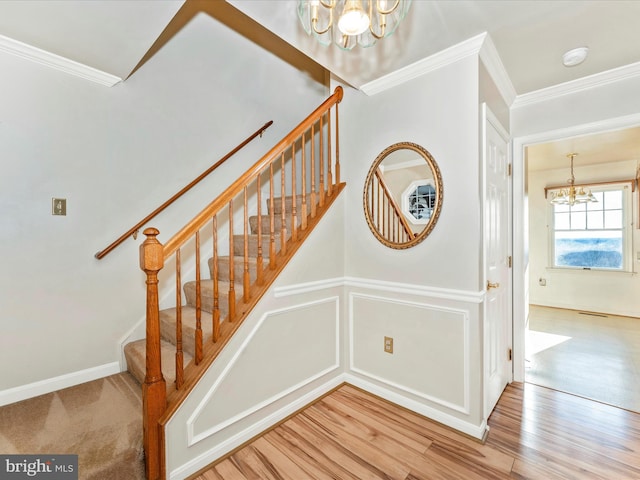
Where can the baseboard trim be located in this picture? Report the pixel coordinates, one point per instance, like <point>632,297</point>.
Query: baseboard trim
<point>210,456</point>
<point>30,390</point>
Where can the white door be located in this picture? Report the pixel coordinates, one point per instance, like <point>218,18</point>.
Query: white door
<point>497,261</point>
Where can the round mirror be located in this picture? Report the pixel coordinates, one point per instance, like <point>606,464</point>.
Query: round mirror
<point>403,195</point>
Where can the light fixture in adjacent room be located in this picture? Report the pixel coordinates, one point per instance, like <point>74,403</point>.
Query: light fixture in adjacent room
<point>570,195</point>
<point>348,23</point>
<point>575,56</point>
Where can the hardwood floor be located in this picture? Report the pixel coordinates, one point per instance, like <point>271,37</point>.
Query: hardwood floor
<point>596,356</point>
<point>535,433</point>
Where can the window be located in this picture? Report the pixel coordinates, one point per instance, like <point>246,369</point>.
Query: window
<point>593,235</point>
<point>418,201</point>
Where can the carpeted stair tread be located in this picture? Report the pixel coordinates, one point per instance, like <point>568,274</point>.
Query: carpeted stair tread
<point>266,223</point>
<point>134,353</point>
<point>252,241</point>
<point>238,267</point>
<point>288,203</point>
<point>206,295</point>
<point>168,326</point>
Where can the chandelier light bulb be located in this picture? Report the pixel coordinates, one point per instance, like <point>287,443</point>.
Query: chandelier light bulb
<point>354,20</point>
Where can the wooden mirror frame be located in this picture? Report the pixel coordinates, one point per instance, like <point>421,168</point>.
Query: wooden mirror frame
<point>395,235</point>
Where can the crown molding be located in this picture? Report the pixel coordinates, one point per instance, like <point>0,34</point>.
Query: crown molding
<point>426,65</point>
<point>581,84</point>
<point>51,60</point>
<point>491,59</point>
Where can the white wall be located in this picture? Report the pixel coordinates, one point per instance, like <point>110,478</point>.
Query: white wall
<point>594,291</point>
<point>428,298</point>
<point>116,154</point>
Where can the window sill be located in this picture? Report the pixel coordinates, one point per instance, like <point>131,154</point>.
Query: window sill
<point>593,271</point>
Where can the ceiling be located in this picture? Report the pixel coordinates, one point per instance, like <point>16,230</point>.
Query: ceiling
<point>530,36</point>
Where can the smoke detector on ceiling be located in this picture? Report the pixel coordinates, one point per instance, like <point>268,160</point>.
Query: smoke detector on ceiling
<point>575,57</point>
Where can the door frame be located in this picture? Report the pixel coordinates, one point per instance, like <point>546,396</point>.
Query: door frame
<point>520,222</point>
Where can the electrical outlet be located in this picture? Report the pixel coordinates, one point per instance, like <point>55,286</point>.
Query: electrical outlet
<point>388,344</point>
<point>542,282</point>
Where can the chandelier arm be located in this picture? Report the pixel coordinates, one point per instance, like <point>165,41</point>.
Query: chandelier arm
<point>386,12</point>
<point>383,26</point>
<point>329,5</point>
<point>314,23</point>
<point>375,35</point>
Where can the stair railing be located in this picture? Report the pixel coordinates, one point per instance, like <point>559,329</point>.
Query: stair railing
<point>133,231</point>
<point>303,171</point>
<point>386,214</point>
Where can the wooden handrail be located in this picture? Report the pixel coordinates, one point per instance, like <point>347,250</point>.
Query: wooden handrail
<point>236,187</point>
<point>133,231</point>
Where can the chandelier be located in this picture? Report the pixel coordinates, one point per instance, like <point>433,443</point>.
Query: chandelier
<point>348,23</point>
<point>570,195</point>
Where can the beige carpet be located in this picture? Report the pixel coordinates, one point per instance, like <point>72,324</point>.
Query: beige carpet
<point>593,356</point>
<point>100,421</point>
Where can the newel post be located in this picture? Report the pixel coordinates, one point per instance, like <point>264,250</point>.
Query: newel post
<point>154,393</point>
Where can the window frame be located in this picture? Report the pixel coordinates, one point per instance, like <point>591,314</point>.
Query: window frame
<point>626,187</point>
<point>405,200</point>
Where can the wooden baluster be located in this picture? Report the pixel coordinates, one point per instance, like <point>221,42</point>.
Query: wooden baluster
<point>294,208</point>
<point>329,174</point>
<point>232,288</point>
<point>390,217</point>
<point>198,339</point>
<point>154,393</point>
<point>272,226</point>
<point>313,173</point>
<point>374,213</point>
<point>337,146</point>
<point>321,164</point>
<point>283,213</point>
<point>259,260</point>
<point>215,316</point>
<point>380,209</point>
<point>304,213</point>
<point>396,228</point>
<point>246,280</point>
<point>179,352</point>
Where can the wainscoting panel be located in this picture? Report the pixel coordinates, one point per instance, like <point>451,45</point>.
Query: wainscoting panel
<point>430,358</point>
<point>288,348</point>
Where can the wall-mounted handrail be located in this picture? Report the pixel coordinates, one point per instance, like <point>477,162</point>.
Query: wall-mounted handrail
<point>133,231</point>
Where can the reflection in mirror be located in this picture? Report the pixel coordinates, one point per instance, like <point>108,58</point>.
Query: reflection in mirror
<point>403,195</point>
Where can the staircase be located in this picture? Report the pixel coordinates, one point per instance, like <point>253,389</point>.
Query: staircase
<point>250,232</point>
<point>135,351</point>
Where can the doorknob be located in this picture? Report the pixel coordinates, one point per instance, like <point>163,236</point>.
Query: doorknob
<point>492,285</point>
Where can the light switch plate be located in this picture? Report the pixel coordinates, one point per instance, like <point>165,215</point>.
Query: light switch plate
<point>59,206</point>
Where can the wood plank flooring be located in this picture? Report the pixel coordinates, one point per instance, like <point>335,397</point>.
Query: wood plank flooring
<point>596,356</point>
<point>535,433</point>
